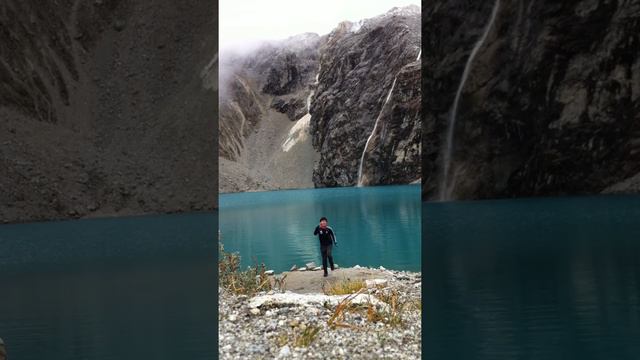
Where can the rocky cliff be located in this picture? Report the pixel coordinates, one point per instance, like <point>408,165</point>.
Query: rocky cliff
<point>550,105</point>
<point>298,113</point>
<point>359,65</point>
<point>264,95</point>
<point>107,107</point>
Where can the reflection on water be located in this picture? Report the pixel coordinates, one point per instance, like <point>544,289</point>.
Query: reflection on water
<point>533,279</point>
<point>121,288</point>
<point>374,226</point>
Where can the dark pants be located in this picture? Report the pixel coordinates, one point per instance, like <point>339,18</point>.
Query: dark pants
<point>326,254</point>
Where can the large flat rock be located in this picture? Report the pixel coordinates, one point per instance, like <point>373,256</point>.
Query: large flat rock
<point>312,281</point>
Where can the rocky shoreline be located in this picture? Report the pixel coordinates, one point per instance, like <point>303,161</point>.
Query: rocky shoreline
<point>311,325</point>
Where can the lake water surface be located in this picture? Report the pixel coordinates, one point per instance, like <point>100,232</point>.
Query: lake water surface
<point>532,279</point>
<point>118,288</point>
<point>374,226</point>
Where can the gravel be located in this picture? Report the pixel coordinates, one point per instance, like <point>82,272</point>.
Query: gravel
<point>266,330</point>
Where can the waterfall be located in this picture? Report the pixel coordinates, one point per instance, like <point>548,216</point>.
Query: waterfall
<point>419,53</point>
<point>366,145</point>
<point>445,187</point>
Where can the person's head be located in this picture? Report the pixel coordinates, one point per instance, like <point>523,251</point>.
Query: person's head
<point>323,221</point>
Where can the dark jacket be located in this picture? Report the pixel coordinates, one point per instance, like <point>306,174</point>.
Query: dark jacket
<point>326,235</point>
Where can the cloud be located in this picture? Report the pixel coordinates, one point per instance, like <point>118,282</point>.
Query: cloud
<point>246,23</point>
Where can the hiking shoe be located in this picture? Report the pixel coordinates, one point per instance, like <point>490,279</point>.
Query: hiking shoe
<point>325,274</point>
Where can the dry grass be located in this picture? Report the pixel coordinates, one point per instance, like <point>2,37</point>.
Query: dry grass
<point>343,287</point>
<point>393,314</point>
<point>246,282</point>
<point>298,339</point>
<point>306,337</point>
<point>345,306</point>
<point>416,305</point>
<point>282,339</point>
<point>279,283</point>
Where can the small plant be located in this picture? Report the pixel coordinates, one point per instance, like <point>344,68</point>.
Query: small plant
<point>303,339</point>
<point>392,314</point>
<point>382,338</point>
<point>417,305</point>
<point>247,282</point>
<point>282,339</point>
<point>343,287</point>
<point>343,307</point>
<point>306,338</point>
<point>279,282</point>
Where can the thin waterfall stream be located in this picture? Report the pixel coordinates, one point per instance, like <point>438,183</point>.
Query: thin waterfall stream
<point>366,145</point>
<point>446,186</point>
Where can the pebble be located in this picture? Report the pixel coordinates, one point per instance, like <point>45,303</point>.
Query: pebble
<point>312,311</point>
<point>271,331</point>
<point>284,352</point>
<point>272,326</point>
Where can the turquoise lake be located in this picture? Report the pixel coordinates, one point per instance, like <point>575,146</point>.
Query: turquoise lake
<point>374,226</point>
<point>532,279</point>
<point>118,288</point>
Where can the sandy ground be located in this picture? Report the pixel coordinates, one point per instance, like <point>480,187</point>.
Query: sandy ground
<point>305,282</point>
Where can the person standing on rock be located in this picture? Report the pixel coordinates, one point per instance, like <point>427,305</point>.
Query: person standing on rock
<point>327,239</point>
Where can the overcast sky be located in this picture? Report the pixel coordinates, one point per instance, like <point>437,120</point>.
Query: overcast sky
<point>249,21</point>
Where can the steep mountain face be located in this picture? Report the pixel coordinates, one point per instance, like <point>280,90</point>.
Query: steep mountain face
<point>394,149</point>
<point>107,107</point>
<point>264,95</point>
<point>299,113</point>
<point>359,65</point>
<point>550,105</point>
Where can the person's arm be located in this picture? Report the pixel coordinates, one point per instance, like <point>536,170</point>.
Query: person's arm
<point>315,232</point>
<point>333,237</point>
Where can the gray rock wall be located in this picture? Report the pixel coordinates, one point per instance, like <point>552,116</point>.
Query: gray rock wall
<point>551,104</point>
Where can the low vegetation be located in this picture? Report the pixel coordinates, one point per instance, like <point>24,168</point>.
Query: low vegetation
<point>392,314</point>
<point>303,338</point>
<point>241,282</point>
<point>343,287</point>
